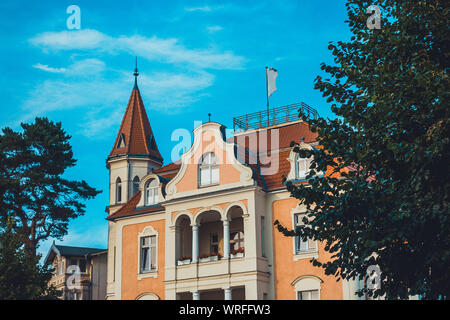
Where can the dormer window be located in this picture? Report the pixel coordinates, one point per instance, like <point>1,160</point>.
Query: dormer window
<point>208,170</point>
<point>151,142</point>
<point>121,143</point>
<point>151,192</point>
<point>301,167</point>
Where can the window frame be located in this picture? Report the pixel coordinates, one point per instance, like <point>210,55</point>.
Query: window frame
<point>148,231</point>
<point>214,243</point>
<point>240,241</point>
<point>309,292</point>
<point>154,189</point>
<point>151,248</point>
<point>135,185</point>
<point>77,259</point>
<point>311,251</point>
<point>307,163</point>
<point>119,190</point>
<point>209,167</point>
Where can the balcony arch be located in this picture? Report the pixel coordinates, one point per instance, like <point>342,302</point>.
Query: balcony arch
<point>236,235</point>
<point>147,296</point>
<point>183,237</point>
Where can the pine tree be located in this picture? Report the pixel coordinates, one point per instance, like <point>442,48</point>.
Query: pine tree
<point>33,189</point>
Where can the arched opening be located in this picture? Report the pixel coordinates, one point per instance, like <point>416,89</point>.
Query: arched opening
<point>147,296</point>
<point>237,236</point>
<point>208,170</point>
<point>307,287</point>
<point>135,185</point>
<point>118,190</point>
<point>210,235</point>
<point>183,240</point>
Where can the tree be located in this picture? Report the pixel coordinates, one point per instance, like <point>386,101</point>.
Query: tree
<point>21,275</point>
<point>384,199</point>
<point>33,190</point>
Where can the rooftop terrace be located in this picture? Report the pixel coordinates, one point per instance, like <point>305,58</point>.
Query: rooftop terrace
<point>273,117</point>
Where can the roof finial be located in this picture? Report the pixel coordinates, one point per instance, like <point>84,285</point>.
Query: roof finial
<point>209,117</point>
<point>136,73</point>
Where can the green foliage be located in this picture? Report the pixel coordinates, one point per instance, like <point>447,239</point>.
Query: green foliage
<point>389,89</point>
<point>33,190</point>
<point>21,275</point>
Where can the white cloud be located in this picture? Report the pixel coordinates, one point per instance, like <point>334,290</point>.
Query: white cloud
<point>99,94</point>
<point>100,101</point>
<point>202,9</point>
<point>163,50</point>
<point>69,40</point>
<point>86,67</point>
<point>212,29</point>
<point>45,67</point>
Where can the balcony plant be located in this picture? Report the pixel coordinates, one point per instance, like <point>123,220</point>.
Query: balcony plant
<point>237,253</point>
<point>184,260</point>
<point>214,256</point>
<point>203,258</point>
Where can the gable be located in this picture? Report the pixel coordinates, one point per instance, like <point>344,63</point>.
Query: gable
<point>209,137</point>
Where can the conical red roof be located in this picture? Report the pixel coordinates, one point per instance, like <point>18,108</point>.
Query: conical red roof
<point>135,135</point>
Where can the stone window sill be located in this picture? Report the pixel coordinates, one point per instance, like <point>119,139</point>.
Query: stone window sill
<point>306,255</point>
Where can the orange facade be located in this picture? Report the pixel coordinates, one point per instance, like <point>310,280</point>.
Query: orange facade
<point>286,269</point>
<point>225,222</point>
<point>131,286</point>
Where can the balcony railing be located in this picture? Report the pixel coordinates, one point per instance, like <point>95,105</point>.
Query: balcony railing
<point>274,116</point>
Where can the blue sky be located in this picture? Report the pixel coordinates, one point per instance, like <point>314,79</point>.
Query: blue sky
<point>194,57</point>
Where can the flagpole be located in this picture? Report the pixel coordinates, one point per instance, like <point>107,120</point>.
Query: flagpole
<point>267,95</point>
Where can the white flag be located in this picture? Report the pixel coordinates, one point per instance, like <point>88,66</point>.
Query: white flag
<point>271,76</point>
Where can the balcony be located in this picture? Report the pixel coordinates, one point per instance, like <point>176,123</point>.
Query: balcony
<point>213,268</point>
<point>273,117</point>
<point>210,244</point>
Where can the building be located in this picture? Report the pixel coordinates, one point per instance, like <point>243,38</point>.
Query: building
<point>202,227</point>
<point>79,272</point>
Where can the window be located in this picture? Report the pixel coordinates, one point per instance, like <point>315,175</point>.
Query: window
<point>236,240</point>
<point>135,185</point>
<point>208,170</point>
<point>74,295</point>
<point>73,262</point>
<point>60,267</point>
<point>151,142</point>
<point>151,192</point>
<point>118,190</point>
<point>82,265</point>
<point>308,295</point>
<point>121,142</point>
<point>214,243</point>
<point>148,254</point>
<point>77,264</point>
<point>301,167</point>
<point>300,245</point>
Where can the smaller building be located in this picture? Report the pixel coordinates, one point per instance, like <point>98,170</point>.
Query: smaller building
<point>78,271</point>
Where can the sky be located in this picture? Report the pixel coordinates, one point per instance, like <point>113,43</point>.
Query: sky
<point>194,58</point>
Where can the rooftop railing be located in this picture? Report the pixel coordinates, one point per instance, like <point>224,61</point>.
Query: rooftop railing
<point>273,117</point>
